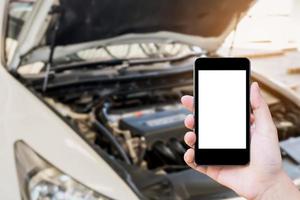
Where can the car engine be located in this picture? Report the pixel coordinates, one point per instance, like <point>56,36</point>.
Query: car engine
<point>147,126</point>
<point>138,121</point>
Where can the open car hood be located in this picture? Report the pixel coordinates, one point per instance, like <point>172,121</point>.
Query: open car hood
<point>89,20</point>
<point>89,23</point>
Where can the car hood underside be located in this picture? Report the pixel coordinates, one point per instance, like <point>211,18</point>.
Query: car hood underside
<point>83,21</point>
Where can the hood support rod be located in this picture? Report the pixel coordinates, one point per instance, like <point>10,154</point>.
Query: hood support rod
<point>58,11</point>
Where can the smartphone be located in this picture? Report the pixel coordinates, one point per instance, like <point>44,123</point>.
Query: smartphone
<point>222,111</point>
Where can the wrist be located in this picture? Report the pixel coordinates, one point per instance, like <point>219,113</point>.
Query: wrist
<point>280,187</point>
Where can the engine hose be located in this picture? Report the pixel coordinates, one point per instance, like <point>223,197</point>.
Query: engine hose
<point>177,146</point>
<point>113,140</point>
<point>165,151</point>
<point>104,111</point>
<point>178,150</point>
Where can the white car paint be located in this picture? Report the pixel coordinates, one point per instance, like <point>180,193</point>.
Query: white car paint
<point>24,117</point>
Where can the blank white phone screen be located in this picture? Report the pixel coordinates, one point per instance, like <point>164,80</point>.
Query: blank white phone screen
<point>222,109</point>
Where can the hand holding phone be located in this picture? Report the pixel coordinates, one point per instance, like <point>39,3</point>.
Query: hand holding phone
<point>263,177</point>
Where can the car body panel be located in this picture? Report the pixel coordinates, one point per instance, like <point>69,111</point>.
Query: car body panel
<point>24,117</point>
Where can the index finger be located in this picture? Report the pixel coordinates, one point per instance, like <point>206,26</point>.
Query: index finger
<point>188,102</point>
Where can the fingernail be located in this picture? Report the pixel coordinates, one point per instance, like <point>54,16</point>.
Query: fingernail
<point>187,122</point>
<point>190,116</point>
<point>182,98</point>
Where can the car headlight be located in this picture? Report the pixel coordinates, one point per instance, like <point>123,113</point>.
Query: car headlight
<point>39,180</point>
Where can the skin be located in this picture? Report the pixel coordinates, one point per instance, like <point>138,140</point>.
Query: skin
<point>263,177</point>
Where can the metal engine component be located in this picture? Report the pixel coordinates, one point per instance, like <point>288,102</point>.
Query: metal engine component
<point>158,126</point>
<point>162,132</point>
<point>150,127</point>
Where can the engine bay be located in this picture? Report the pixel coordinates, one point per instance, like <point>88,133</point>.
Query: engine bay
<point>144,130</point>
<point>147,126</point>
<point>132,112</point>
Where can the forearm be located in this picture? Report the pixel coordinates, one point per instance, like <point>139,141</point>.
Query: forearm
<point>282,189</point>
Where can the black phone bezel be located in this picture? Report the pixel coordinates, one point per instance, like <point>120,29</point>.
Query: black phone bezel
<point>222,156</point>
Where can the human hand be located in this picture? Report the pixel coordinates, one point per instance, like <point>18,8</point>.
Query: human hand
<point>264,172</point>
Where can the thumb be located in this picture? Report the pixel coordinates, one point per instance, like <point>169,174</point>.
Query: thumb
<point>263,119</point>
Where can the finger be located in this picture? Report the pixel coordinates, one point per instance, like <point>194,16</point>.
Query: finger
<point>262,115</point>
<point>190,139</point>
<point>188,102</point>
<point>252,131</point>
<point>189,158</point>
<point>252,119</point>
<point>189,121</point>
<point>252,125</point>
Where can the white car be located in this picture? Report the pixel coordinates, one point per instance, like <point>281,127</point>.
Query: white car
<point>90,98</point>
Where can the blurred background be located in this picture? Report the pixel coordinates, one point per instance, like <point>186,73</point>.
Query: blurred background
<point>269,35</point>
